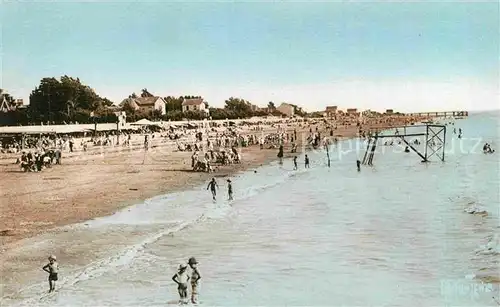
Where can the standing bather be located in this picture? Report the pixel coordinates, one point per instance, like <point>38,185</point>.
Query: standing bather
<point>53,269</point>
<point>195,277</point>
<point>181,278</point>
<point>212,185</point>
<point>229,189</point>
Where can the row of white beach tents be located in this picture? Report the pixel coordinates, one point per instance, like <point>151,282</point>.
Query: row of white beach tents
<point>75,128</point>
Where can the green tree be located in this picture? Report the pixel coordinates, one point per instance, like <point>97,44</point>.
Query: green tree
<point>156,114</point>
<point>14,117</point>
<point>129,110</point>
<point>271,106</point>
<point>173,115</point>
<point>173,104</point>
<point>196,115</point>
<point>220,113</point>
<point>239,107</point>
<point>71,106</point>
<point>60,100</point>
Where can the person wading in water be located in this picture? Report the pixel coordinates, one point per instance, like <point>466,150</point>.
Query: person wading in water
<point>181,278</point>
<point>195,277</point>
<point>212,185</point>
<point>229,189</point>
<point>52,268</point>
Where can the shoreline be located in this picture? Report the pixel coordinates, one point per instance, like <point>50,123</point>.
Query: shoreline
<point>101,185</point>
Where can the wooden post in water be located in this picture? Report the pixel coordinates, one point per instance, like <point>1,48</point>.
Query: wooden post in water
<point>367,150</point>
<point>426,142</point>
<point>444,143</point>
<point>327,153</point>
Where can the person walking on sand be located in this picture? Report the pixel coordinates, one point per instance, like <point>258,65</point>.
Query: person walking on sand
<point>195,277</point>
<point>306,161</point>
<point>229,189</point>
<point>295,163</point>
<point>181,278</point>
<point>52,268</point>
<point>212,185</point>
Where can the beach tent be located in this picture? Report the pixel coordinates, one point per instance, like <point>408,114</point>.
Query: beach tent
<point>143,122</point>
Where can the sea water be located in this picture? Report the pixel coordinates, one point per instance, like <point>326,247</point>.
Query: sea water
<point>395,234</point>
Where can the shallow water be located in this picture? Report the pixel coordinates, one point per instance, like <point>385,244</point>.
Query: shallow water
<point>392,235</point>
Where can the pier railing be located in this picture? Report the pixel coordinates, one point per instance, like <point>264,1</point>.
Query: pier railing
<point>441,114</point>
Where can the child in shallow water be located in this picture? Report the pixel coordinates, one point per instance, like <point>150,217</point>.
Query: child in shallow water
<point>181,278</point>
<point>52,268</point>
<point>195,277</point>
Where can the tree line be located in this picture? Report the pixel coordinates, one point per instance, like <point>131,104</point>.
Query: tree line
<point>68,100</point>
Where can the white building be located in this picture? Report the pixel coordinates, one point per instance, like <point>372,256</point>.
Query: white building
<point>286,109</point>
<point>146,104</point>
<point>194,104</point>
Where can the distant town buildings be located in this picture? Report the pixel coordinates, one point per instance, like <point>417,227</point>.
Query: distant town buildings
<point>7,103</point>
<point>5,106</point>
<point>194,104</point>
<point>287,109</point>
<point>146,104</point>
<point>156,103</point>
<point>352,112</point>
<point>369,113</point>
<point>331,111</point>
<point>19,103</point>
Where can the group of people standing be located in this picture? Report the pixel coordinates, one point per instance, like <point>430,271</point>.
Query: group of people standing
<point>213,186</point>
<point>183,279</point>
<point>306,162</point>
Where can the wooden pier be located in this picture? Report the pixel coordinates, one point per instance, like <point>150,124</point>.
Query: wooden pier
<point>441,114</point>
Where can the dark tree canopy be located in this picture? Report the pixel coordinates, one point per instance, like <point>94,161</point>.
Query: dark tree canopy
<point>69,100</point>
<point>65,100</point>
<point>173,104</point>
<point>240,107</point>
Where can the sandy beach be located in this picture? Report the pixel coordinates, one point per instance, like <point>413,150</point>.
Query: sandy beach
<point>99,183</point>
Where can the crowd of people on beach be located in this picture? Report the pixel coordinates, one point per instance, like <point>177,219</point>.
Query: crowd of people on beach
<point>36,162</point>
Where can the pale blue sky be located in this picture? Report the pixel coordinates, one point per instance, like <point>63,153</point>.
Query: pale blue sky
<point>413,56</point>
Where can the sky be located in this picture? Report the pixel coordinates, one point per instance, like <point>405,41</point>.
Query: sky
<point>417,56</point>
